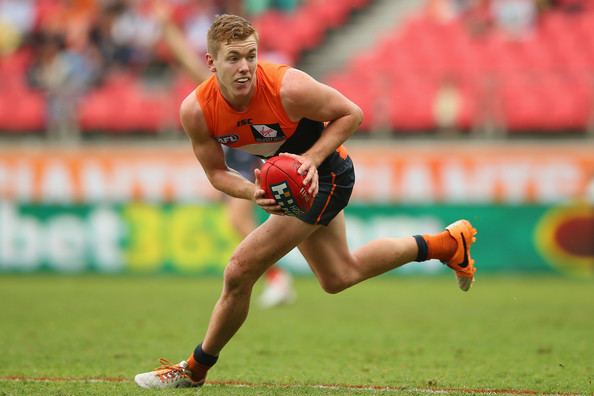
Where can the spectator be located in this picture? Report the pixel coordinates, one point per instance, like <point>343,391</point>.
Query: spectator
<point>447,106</point>
<point>568,6</point>
<point>256,7</point>
<point>17,18</point>
<point>477,18</point>
<point>196,21</point>
<point>442,11</point>
<point>134,33</point>
<point>101,38</point>
<point>514,18</point>
<point>63,74</point>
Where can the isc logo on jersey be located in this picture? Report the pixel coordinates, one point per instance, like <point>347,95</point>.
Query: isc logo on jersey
<point>265,133</point>
<point>284,197</point>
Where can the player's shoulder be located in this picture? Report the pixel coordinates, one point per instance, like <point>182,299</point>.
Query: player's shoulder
<point>190,106</point>
<point>272,67</point>
<point>294,77</point>
<point>192,115</point>
<point>297,84</point>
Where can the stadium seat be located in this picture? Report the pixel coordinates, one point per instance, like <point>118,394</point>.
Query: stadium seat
<point>292,33</point>
<point>542,82</point>
<point>22,110</point>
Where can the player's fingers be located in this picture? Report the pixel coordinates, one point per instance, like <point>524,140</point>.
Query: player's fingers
<point>295,156</point>
<point>270,206</point>
<point>257,176</point>
<point>259,194</point>
<point>267,203</point>
<point>315,186</point>
<point>303,161</point>
<point>304,168</point>
<point>311,172</point>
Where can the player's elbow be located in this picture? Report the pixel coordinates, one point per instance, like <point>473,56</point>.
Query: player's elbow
<point>216,180</point>
<point>357,116</point>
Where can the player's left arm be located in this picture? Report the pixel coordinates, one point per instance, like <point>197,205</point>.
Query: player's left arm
<point>304,97</point>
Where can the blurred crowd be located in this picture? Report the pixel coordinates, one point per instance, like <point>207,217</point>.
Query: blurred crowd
<point>74,44</point>
<point>83,39</point>
<point>512,20</point>
<point>515,19</point>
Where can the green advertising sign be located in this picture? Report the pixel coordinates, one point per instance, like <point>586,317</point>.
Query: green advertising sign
<point>505,233</point>
<point>137,237</point>
<point>197,239</point>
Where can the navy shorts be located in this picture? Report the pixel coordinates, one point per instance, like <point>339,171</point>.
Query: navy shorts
<point>336,182</point>
<point>242,161</point>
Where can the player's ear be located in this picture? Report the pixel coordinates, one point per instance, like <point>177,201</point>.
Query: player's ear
<point>210,63</point>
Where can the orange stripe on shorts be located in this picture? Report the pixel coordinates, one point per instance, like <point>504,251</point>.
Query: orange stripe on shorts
<point>329,197</point>
<point>342,151</point>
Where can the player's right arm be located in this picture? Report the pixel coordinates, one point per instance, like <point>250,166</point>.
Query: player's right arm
<point>211,156</point>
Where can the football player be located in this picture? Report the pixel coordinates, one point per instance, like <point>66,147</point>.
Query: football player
<point>231,108</point>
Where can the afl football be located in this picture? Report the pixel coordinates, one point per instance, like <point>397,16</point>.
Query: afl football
<point>280,180</point>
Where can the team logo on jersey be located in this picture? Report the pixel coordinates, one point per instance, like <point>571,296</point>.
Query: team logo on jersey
<point>284,198</point>
<point>245,121</point>
<point>265,133</point>
<point>227,139</point>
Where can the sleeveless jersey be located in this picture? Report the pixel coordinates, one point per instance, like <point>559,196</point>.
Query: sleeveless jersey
<point>264,129</point>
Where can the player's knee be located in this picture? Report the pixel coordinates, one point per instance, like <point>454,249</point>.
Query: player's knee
<point>237,276</point>
<point>333,285</point>
<point>342,278</point>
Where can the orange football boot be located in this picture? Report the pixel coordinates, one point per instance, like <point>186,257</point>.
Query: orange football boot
<point>461,262</point>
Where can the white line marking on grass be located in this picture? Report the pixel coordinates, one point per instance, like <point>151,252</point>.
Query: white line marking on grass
<point>345,387</point>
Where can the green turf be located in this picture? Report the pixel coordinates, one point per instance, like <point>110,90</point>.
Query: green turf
<point>408,334</point>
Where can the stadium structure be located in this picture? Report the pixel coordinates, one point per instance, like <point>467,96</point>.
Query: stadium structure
<point>477,108</point>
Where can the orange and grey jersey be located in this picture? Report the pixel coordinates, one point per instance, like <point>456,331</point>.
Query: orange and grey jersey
<point>265,128</point>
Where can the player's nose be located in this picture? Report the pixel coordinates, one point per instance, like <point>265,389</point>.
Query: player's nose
<point>243,65</point>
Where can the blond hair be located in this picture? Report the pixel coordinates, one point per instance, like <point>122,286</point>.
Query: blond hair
<point>227,28</point>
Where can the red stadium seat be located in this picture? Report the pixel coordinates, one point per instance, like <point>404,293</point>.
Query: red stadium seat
<point>292,33</point>
<point>412,104</point>
<point>22,110</point>
<point>545,81</point>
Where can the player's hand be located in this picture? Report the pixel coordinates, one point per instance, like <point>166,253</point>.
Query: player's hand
<point>162,11</point>
<point>309,169</point>
<point>259,197</point>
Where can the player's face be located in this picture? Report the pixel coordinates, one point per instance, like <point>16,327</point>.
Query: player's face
<point>235,67</point>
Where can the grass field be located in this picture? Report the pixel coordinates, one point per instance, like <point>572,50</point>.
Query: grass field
<point>390,336</point>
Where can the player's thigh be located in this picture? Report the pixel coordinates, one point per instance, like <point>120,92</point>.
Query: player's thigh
<point>239,207</point>
<point>241,215</point>
<point>327,251</point>
<point>268,243</point>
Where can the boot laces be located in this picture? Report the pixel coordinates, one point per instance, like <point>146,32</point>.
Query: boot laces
<point>169,372</point>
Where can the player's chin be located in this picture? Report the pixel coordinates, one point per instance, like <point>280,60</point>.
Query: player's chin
<point>241,88</point>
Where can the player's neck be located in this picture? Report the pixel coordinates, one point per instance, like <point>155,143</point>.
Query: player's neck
<point>239,103</point>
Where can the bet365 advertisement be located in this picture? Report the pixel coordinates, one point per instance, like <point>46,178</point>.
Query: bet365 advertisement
<point>142,210</point>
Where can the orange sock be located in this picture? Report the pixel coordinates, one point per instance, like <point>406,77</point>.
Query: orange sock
<point>198,370</point>
<point>199,362</point>
<point>440,246</point>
